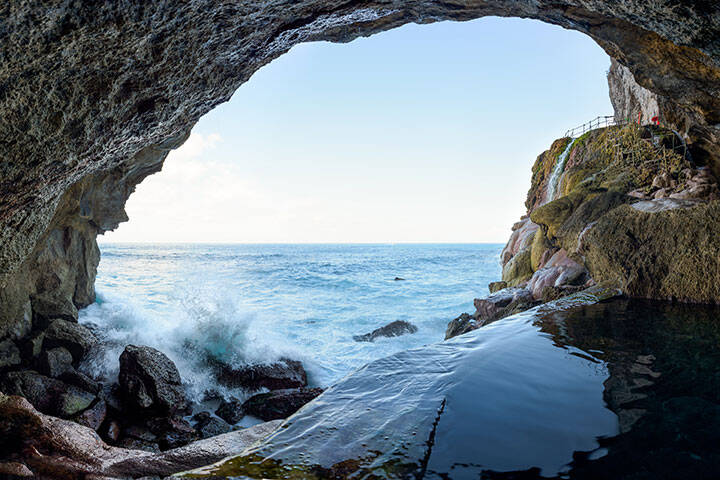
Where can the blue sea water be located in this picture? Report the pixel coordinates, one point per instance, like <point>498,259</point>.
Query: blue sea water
<point>259,303</point>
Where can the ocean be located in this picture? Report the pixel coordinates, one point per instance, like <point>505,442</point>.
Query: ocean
<point>250,304</point>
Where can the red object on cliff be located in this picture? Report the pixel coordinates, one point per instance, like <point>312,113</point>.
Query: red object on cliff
<point>655,120</point>
<point>639,118</point>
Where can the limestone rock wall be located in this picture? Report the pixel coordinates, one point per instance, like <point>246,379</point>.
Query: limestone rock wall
<point>634,211</point>
<point>93,94</point>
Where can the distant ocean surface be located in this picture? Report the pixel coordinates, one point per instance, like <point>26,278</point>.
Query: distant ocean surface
<point>258,303</point>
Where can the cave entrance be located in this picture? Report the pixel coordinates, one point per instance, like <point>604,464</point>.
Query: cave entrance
<point>280,227</point>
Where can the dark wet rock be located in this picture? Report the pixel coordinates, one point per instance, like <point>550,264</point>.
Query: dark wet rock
<point>496,286</point>
<point>47,394</point>
<point>138,437</point>
<point>230,410</point>
<point>112,395</point>
<point>209,426</point>
<point>399,279</point>
<point>280,375</point>
<point>80,380</point>
<point>94,416</point>
<point>140,432</point>
<point>498,305</point>
<point>9,354</point>
<point>74,451</point>
<point>196,454</point>
<point>172,432</point>
<point>56,361</point>
<point>150,381</point>
<point>113,431</point>
<point>462,324</point>
<point>279,404</point>
<point>77,339</point>
<point>137,444</point>
<point>13,470</point>
<point>47,308</point>
<point>393,329</point>
<point>502,303</point>
<point>31,347</point>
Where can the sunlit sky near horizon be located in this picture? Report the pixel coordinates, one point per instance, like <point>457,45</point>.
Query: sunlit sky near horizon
<point>425,133</point>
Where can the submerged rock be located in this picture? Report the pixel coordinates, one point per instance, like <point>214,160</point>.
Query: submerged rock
<point>274,376</point>
<point>280,403</point>
<point>393,329</point>
<point>150,381</point>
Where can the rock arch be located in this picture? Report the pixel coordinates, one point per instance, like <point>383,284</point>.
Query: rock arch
<point>93,98</point>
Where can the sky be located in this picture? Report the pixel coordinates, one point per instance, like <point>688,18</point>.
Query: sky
<point>425,133</point>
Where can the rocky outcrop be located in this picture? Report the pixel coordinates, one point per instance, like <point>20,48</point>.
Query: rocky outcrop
<point>150,381</point>
<point>498,305</point>
<point>61,449</point>
<point>392,329</point>
<point>279,404</point>
<point>279,375</point>
<point>631,208</point>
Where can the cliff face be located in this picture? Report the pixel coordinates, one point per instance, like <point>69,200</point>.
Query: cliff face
<point>93,95</point>
<point>630,209</point>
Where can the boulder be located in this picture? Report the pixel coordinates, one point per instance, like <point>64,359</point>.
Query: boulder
<point>499,304</point>
<point>518,269</point>
<point>493,307</point>
<point>94,416</point>
<point>393,329</point>
<point>279,404</point>
<point>230,410</point>
<point>172,432</point>
<point>199,453</point>
<point>71,450</point>
<point>9,354</point>
<point>80,380</point>
<point>32,347</point>
<point>560,271</point>
<point>47,394</point>
<point>56,361</point>
<point>462,324</point>
<point>13,470</point>
<point>150,381</point>
<point>46,308</point>
<point>208,426</point>
<point>274,376</point>
<point>77,339</point>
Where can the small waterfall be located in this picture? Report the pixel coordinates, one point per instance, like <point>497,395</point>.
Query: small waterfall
<point>557,173</point>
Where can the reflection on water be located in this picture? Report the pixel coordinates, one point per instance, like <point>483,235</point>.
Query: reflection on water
<point>617,389</point>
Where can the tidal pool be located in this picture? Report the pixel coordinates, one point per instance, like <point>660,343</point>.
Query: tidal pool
<point>609,390</point>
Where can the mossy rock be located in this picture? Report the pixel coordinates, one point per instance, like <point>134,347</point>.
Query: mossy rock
<point>553,214</point>
<point>590,210</point>
<point>670,254</point>
<point>496,286</point>
<point>518,269</point>
<point>539,246</point>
